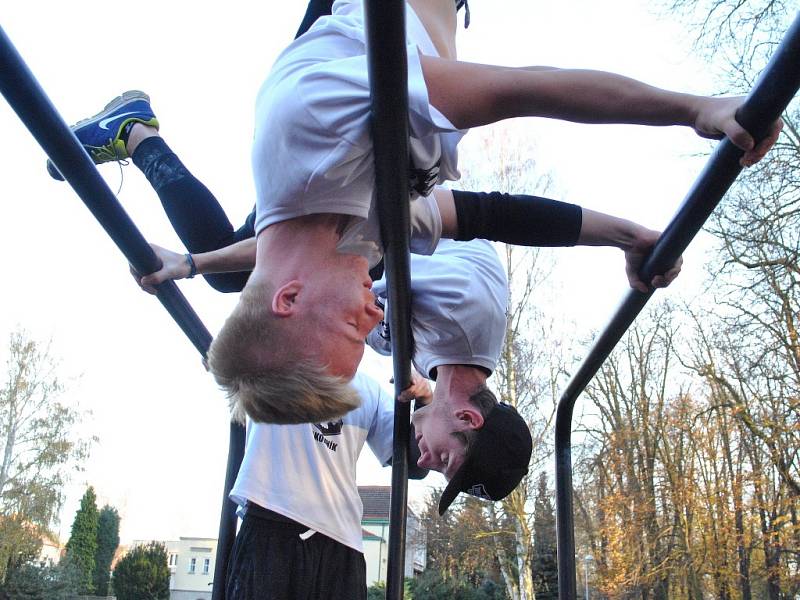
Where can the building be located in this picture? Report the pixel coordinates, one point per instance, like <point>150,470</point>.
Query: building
<point>191,567</point>
<point>375,535</point>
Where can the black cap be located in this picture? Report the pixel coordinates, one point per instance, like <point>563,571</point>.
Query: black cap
<point>497,459</point>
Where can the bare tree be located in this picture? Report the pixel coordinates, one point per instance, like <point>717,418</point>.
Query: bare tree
<point>530,363</point>
<point>37,445</point>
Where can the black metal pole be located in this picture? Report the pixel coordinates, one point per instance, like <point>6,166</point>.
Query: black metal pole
<point>26,97</point>
<point>769,97</point>
<point>35,110</point>
<point>388,74</point>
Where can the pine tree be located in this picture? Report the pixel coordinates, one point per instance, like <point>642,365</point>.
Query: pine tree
<point>142,573</point>
<point>545,569</point>
<point>82,543</point>
<point>107,542</point>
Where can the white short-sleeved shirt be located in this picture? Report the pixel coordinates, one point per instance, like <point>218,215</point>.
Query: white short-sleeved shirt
<point>458,306</point>
<point>312,151</point>
<point>308,472</point>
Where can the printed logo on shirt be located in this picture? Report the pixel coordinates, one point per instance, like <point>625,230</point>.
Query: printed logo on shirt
<point>330,428</point>
<point>422,181</point>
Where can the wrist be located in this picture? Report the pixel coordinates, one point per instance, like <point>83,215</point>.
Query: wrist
<point>192,266</point>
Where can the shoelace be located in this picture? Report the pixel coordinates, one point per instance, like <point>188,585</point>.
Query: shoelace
<point>110,153</point>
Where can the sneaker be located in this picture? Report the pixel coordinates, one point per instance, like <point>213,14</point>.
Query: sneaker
<point>101,135</point>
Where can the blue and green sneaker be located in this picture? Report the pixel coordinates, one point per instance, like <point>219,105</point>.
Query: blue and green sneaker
<point>104,135</point>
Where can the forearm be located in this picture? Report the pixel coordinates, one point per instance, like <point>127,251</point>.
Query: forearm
<point>600,229</point>
<point>496,93</point>
<point>587,96</point>
<point>240,256</point>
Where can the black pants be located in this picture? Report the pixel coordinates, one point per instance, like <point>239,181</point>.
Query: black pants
<point>270,561</point>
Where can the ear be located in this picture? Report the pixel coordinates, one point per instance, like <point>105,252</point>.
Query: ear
<point>284,301</point>
<point>469,418</point>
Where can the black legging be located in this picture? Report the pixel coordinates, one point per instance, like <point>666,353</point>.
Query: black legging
<point>191,208</point>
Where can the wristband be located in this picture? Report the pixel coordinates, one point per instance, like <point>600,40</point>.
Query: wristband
<point>192,266</point>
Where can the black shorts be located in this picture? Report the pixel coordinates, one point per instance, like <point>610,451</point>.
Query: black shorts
<point>270,561</point>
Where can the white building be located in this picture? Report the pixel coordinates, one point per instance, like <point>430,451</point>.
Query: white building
<point>191,567</point>
<point>375,535</point>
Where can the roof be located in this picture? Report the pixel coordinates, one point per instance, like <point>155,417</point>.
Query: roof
<point>375,499</point>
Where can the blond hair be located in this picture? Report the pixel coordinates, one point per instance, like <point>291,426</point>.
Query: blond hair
<point>255,359</point>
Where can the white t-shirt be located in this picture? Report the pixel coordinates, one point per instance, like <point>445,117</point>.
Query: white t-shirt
<point>458,306</point>
<point>308,472</point>
<point>312,151</point>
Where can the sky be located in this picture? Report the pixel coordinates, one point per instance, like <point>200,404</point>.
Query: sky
<point>159,419</point>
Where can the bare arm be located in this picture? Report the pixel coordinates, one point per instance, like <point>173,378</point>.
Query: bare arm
<point>596,229</point>
<point>599,229</point>
<point>240,256</point>
<point>471,94</point>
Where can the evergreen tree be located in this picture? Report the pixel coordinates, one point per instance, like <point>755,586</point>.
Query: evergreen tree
<point>142,574</point>
<point>545,569</point>
<point>107,542</point>
<point>46,582</point>
<point>82,543</point>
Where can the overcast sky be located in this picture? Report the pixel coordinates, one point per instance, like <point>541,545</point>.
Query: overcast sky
<point>161,423</point>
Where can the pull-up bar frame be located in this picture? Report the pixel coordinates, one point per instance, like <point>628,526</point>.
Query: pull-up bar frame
<point>388,76</point>
<point>33,107</point>
<point>768,99</point>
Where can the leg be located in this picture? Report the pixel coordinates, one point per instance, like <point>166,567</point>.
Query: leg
<point>270,561</point>
<point>191,208</point>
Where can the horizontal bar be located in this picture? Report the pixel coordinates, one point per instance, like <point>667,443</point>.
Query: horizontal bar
<point>769,97</point>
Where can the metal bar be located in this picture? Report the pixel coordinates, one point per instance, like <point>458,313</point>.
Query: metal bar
<point>35,110</point>
<point>27,98</point>
<point>773,91</point>
<point>227,517</point>
<point>388,74</point>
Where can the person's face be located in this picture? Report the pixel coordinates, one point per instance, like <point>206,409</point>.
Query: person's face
<point>343,313</point>
<point>439,434</point>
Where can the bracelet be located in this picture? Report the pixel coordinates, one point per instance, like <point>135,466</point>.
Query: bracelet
<point>192,266</point>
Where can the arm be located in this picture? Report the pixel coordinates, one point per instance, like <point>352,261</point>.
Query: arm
<point>240,256</point>
<point>599,229</point>
<point>535,221</point>
<point>470,95</point>
<point>420,392</point>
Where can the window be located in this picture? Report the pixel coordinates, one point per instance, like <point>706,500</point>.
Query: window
<point>192,565</point>
<point>206,564</point>
<point>173,560</point>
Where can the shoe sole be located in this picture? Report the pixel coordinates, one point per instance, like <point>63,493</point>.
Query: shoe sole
<point>118,102</point>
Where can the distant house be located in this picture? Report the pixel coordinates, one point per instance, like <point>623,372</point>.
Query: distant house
<point>375,535</point>
<point>191,567</point>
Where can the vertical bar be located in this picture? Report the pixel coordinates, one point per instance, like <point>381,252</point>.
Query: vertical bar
<point>35,110</point>
<point>769,97</point>
<point>388,74</point>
